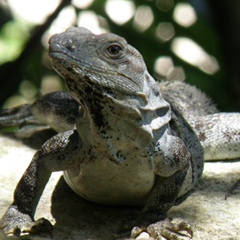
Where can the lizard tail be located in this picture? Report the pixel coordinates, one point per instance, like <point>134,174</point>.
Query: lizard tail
<point>219,135</point>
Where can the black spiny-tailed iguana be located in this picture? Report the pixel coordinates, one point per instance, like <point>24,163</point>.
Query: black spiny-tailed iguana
<point>124,139</point>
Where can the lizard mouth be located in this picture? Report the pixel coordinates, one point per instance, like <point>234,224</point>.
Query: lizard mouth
<point>76,67</point>
<point>71,68</point>
<point>66,65</point>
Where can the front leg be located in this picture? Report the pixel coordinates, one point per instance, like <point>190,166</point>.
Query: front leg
<point>57,110</point>
<point>55,155</point>
<point>153,218</point>
<point>171,167</point>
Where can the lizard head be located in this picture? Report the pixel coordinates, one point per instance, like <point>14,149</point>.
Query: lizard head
<point>104,61</point>
<point>105,72</point>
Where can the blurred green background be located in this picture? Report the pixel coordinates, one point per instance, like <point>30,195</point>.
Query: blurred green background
<point>197,41</point>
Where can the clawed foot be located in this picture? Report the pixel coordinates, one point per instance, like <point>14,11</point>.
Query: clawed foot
<point>166,229</point>
<point>14,222</point>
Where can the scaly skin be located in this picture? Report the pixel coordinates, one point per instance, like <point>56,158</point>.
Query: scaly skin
<point>131,145</point>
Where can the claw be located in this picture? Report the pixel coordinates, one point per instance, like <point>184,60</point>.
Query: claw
<point>17,232</point>
<point>14,222</point>
<point>166,229</point>
<point>136,231</point>
<point>42,226</point>
<point>184,226</point>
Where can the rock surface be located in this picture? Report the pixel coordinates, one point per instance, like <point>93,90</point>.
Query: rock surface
<point>210,215</point>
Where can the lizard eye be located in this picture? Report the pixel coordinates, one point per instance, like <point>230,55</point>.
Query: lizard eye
<point>114,50</point>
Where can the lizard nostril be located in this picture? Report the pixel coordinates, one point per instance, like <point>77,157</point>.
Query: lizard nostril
<point>54,46</point>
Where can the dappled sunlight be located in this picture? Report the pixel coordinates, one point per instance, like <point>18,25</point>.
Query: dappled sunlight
<point>120,11</point>
<point>168,33</point>
<point>28,90</point>
<point>192,53</point>
<point>164,5</point>
<point>165,31</point>
<point>82,4</point>
<point>89,19</point>
<point>143,18</point>
<point>163,65</point>
<point>164,69</point>
<point>27,94</point>
<point>50,83</point>
<point>32,11</point>
<point>184,14</point>
<point>66,18</point>
<point>176,73</point>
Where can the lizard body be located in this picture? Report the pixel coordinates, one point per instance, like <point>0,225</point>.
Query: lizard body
<point>131,145</point>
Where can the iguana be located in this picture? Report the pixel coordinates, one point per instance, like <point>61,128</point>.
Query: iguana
<point>123,139</point>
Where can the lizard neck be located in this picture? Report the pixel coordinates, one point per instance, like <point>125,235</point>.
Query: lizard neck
<point>116,122</point>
